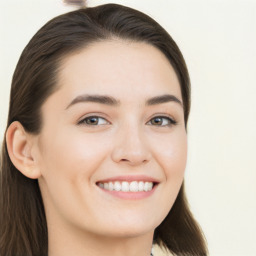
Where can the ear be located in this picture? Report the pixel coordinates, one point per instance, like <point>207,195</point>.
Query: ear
<point>20,148</point>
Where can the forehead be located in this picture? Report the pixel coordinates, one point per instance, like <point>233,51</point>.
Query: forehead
<point>119,68</point>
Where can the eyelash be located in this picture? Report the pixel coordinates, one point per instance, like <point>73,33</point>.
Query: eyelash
<point>170,121</point>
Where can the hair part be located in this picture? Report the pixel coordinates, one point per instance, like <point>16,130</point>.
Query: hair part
<point>22,216</point>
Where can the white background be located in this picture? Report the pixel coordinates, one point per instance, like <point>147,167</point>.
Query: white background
<point>218,40</point>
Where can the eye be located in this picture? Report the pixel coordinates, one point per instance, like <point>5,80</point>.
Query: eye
<point>162,121</point>
<point>94,120</point>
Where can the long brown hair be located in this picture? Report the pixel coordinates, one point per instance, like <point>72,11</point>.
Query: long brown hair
<point>22,216</point>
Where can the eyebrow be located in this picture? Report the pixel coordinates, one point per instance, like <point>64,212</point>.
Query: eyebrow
<point>163,99</point>
<point>110,101</point>
<point>102,99</point>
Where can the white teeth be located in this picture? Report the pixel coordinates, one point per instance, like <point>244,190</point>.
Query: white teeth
<point>148,186</point>
<point>125,186</point>
<point>134,186</point>
<point>106,186</point>
<point>141,186</point>
<point>145,186</point>
<point>110,186</point>
<point>117,186</point>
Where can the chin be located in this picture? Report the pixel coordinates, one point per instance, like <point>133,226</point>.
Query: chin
<point>130,232</point>
<point>130,229</point>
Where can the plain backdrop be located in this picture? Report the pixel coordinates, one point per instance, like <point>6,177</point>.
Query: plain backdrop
<point>218,41</point>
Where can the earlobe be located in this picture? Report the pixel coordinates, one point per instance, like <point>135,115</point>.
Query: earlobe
<point>19,145</point>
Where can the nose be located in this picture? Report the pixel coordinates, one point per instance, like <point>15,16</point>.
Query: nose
<point>131,147</point>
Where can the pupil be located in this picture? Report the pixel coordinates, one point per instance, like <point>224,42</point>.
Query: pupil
<point>157,121</point>
<point>92,120</point>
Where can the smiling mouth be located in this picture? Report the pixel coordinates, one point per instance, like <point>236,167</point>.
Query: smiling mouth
<point>125,186</point>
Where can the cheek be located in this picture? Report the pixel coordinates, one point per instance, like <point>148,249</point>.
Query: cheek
<point>171,154</point>
<point>72,156</point>
<point>68,165</point>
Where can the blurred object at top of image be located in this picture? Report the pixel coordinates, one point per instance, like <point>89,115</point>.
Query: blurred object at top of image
<point>75,2</point>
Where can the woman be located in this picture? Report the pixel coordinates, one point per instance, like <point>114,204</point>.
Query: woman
<point>95,150</point>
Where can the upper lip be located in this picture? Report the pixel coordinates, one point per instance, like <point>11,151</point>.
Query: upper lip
<point>130,178</point>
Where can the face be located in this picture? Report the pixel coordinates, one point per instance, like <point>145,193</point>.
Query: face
<point>112,149</point>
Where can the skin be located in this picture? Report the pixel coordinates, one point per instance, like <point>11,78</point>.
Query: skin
<point>70,156</point>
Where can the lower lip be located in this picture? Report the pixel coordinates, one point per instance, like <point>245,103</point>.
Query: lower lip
<point>130,195</point>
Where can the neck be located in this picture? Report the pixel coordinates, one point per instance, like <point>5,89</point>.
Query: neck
<point>66,243</point>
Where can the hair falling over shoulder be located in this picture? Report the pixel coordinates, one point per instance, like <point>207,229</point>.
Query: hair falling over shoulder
<point>22,217</point>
